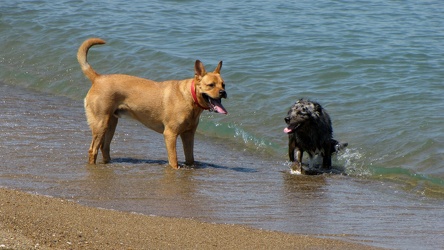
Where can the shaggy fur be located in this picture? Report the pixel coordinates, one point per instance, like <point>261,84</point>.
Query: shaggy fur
<point>309,129</point>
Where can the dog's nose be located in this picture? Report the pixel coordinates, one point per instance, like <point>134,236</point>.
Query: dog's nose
<point>222,94</point>
<point>287,119</point>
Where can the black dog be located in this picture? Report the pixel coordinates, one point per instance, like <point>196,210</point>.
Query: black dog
<point>309,129</point>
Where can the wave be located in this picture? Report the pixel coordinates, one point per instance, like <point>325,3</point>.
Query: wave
<point>234,132</point>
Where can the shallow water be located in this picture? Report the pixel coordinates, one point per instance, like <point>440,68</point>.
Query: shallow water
<point>375,66</point>
<point>44,148</point>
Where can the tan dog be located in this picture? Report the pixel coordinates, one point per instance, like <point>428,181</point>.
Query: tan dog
<point>172,107</point>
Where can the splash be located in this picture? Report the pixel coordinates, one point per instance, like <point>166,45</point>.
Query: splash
<point>248,138</point>
<point>353,162</point>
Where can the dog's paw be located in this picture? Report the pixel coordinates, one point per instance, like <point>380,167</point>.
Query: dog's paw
<point>296,168</point>
<point>295,171</point>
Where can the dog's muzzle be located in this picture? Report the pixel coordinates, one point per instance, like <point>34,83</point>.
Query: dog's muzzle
<point>216,104</point>
<point>222,94</point>
<point>287,119</point>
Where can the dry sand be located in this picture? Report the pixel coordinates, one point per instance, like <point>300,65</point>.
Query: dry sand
<point>30,221</point>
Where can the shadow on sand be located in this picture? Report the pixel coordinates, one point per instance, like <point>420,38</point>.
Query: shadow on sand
<point>197,164</point>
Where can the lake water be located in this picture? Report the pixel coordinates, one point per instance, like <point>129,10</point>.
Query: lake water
<point>375,66</point>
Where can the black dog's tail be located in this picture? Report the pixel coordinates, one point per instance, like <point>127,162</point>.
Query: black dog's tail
<point>337,146</point>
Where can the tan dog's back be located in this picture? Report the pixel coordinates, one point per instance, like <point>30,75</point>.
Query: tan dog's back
<point>110,96</point>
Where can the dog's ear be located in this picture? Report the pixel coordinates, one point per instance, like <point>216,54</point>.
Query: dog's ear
<point>218,68</point>
<point>199,69</point>
<point>317,110</point>
<point>318,107</point>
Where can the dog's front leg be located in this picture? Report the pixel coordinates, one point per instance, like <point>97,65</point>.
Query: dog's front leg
<point>170,143</point>
<point>299,154</point>
<point>188,146</point>
<point>291,146</point>
<point>297,165</point>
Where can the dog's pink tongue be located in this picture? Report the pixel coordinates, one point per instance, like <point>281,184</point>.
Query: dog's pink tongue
<point>287,130</point>
<point>218,107</point>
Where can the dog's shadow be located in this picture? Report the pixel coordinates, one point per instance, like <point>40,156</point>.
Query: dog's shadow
<point>196,165</point>
<point>135,161</point>
<point>318,170</point>
<point>203,165</point>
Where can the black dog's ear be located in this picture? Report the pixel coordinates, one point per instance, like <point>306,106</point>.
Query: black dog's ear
<point>199,69</point>
<point>317,110</point>
<point>318,107</point>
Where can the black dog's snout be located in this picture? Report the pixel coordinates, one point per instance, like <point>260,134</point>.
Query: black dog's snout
<point>222,94</point>
<point>287,119</point>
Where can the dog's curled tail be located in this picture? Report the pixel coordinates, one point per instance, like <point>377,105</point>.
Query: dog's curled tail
<point>81,57</point>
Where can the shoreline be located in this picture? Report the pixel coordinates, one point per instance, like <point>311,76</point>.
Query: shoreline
<point>29,221</point>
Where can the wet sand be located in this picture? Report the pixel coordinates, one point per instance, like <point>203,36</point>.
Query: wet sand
<point>29,221</point>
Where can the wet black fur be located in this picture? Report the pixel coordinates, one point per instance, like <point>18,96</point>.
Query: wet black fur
<point>311,132</point>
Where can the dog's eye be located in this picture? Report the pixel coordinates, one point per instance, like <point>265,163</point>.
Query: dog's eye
<point>211,85</point>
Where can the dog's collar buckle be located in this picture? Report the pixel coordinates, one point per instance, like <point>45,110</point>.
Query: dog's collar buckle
<point>193,93</point>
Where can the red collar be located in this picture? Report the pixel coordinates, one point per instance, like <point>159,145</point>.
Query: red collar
<point>193,93</point>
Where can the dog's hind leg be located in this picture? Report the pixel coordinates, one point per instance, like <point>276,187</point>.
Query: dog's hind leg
<point>98,129</point>
<point>111,128</point>
<point>326,158</point>
<point>96,143</point>
<point>310,160</point>
<point>188,146</point>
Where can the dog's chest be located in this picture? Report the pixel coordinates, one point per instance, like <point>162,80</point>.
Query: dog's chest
<point>310,143</point>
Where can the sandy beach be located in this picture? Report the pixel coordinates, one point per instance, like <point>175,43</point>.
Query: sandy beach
<point>29,221</point>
